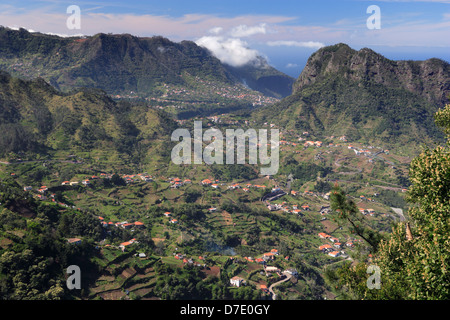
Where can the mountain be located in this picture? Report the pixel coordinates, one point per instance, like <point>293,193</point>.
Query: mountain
<point>364,96</point>
<point>260,76</point>
<point>37,118</point>
<point>124,64</point>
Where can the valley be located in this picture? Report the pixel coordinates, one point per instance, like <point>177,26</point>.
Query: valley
<point>87,178</point>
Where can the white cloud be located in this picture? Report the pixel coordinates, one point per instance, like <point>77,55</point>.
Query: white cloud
<point>215,30</point>
<point>230,48</point>
<point>231,51</point>
<point>308,44</point>
<point>292,65</point>
<point>246,31</point>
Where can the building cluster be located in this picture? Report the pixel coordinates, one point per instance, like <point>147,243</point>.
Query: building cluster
<point>334,247</point>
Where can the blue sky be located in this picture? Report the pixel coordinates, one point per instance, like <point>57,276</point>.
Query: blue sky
<point>286,32</point>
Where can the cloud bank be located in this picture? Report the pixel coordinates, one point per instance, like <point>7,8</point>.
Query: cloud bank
<point>230,48</point>
<point>232,51</point>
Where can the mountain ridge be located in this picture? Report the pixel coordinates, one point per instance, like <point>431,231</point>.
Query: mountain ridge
<point>379,69</point>
<point>120,63</point>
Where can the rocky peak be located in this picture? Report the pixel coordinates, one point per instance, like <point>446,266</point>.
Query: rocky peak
<point>430,78</point>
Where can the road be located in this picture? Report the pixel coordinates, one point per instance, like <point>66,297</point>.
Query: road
<point>288,277</point>
<point>400,213</point>
<point>273,195</point>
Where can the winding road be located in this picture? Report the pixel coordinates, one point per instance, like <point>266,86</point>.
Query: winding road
<point>288,277</point>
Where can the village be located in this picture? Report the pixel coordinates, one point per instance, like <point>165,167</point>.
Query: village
<point>275,195</point>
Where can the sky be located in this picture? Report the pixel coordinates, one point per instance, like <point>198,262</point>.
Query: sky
<point>285,32</point>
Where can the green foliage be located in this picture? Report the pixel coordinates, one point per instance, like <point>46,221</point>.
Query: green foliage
<point>234,171</point>
<point>414,258</point>
<point>302,172</point>
<point>348,213</point>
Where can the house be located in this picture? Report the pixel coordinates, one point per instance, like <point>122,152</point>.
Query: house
<point>86,182</point>
<point>73,183</point>
<point>234,186</point>
<point>27,188</point>
<point>292,271</point>
<point>206,182</point>
<point>271,207</point>
<point>127,225</point>
<point>236,281</point>
<point>324,235</point>
<point>212,209</point>
<point>325,247</point>
<point>176,185</point>
<point>271,269</point>
<point>76,241</point>
<point>215,186</point>
<point>174,221</point>
<point>119,224</point>
<point>334,254</point>
<point>65,183</point>
<point>125,244</point>
<point>294,193</point>
<point>167,214</point>
<point>333,239</point>
<point>268,256</point>
<point>138,224</point>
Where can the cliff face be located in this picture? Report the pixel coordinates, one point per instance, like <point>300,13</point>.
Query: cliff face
<point>429,78</point>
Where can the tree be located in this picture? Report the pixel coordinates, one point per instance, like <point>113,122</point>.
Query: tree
<point>418,249</point>
<point>349,213</point>
<point>414,260</point>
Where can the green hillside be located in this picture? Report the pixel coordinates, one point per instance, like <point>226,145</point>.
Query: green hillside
<point>37,119</point>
